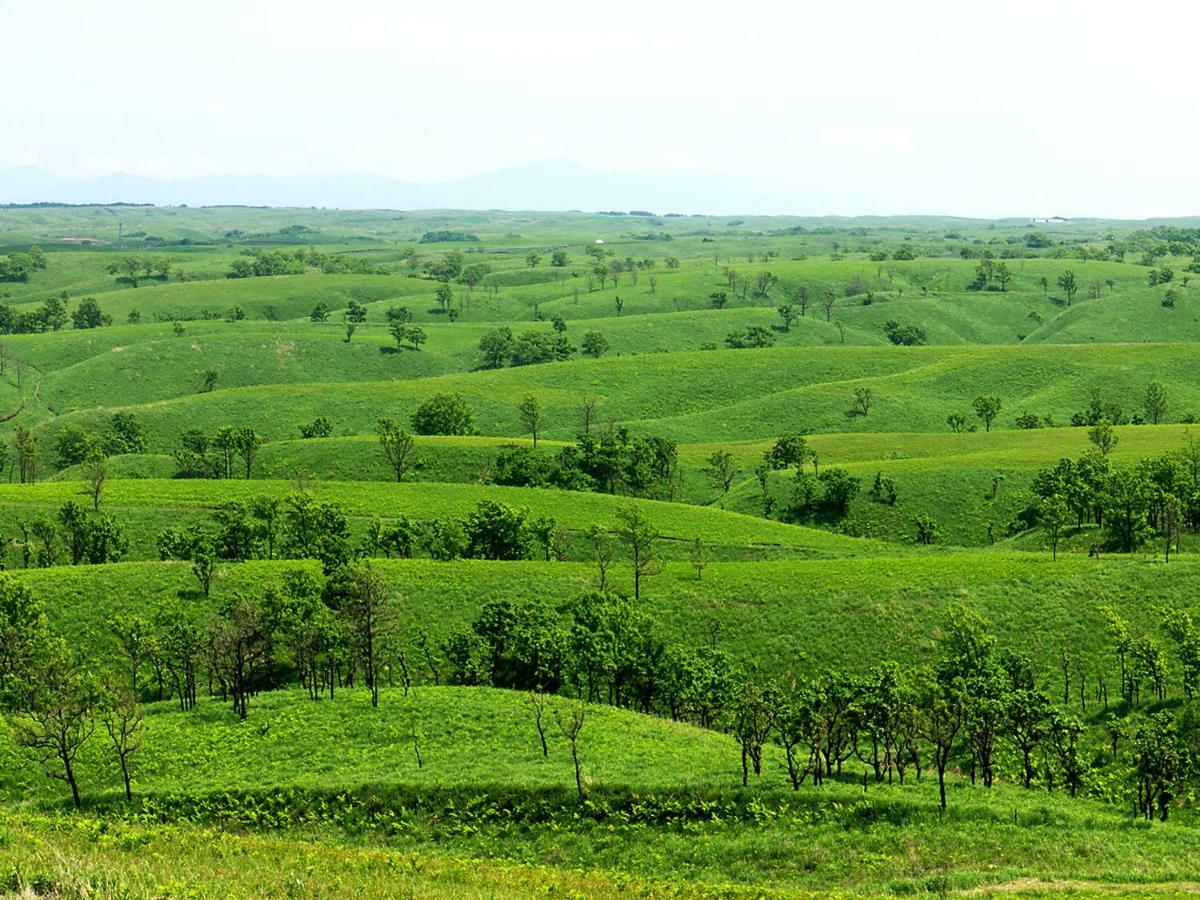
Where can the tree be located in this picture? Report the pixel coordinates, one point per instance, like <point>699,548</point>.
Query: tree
<point>496,346</point>
<point>1069,285</point>
<point>88,315</point>
<point>559,259</point>
<point>533,259</point>
<point>531,416</point>
<point>1003,275</point>
<point>698,557</point>
<point>320,312</point>
<point>1054,516</point>
<point>247,443</point>
<point>444,296</point>
<point>840,488</point>
<point>787,312</point>
<point>240,645</point>
<point>570,723</point>
<point>1102,435</point>
<point>721,469</point>
<point>22,626</point>
<point>987,408</point>
<point>95,476</point>
<point>754,712</point>
<point>942,711</point>
<point>121,714</point>
<point>594,344</point>
<point>1155,402</point>
<point>413,335</point>
<point>603,551</point>
<point>443,414</point>
<point>587,406</point>
<point>396,445</point>
<point>368,607</point>
<point>957,422</point>
<point>127,269</point>
<point>537,701</point>
<point>927,531</point>
<point>828,302</point>
<point>787,451</point>
<point>639,535</point>
<point>54,711</point>
<point>204,567</point>
<point>863,397</point>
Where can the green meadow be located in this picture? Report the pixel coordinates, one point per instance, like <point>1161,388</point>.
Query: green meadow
<point>872,339</point>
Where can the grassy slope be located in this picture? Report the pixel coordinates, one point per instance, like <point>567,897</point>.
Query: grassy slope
<point>150,499</point>
<point>797,616</point>
<point>483,742</point>
<point>717,395</point>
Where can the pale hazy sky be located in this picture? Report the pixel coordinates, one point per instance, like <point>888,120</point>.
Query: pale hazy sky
<point>1057,106</point>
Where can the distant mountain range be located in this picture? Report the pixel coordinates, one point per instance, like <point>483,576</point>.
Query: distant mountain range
<point>551,185</point>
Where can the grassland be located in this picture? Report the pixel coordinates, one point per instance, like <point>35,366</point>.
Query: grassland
<point>321,799</point>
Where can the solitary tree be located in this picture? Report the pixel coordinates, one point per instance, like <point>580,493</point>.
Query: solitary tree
<point>987,408</point>
<point>787,312</point>
<point>570,723</point>
<point>1069,285</point>
<point>639,535</point>
<point>247,443</point>
<point>396,445</point>
<point>863,398</point>
<point>1155,402</point>
<point>531,416</point>
<point>594,344</point>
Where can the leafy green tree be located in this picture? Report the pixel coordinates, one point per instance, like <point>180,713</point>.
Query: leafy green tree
<point>840,488</point>
<point>639,535</point>
<point>531,416</point>
<point>247,443</point>
<point>559,259</point>
<point>22,627</point>
<point>444,414</point>
<point>863,398</point>
<point>495,530</point>
<point>594,344</point>
<point>88,315</point>
<point>787,313</point>
<point>1054,516</point>
<point>121,714</point>
<point>721,469</point>
<point>1155,402</point>
<point>1068,284</point>
<point>396,445</point>
<point>413,335</point>
<point>987,408</point>
<point>788,450</point>
<point>533,259</point>
<point>53,715</point>
<point>497,346</point>
<point>1103,437</point>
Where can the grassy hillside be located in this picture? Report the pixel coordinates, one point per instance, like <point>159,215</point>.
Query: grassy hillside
<point>481,752</point>
<point>329,798</point>
<point>789,615</point>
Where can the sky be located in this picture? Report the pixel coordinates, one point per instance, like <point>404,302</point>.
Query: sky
<point>1050,107</point>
